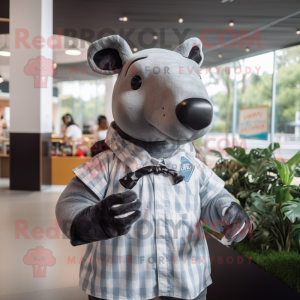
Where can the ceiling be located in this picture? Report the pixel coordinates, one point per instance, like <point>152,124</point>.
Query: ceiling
<point>92,19</point>
<point>67,64</point>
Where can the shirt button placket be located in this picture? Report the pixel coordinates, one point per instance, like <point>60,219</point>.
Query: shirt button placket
<point>161,248</point>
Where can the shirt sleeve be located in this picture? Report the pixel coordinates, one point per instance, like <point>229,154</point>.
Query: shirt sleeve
<point>102,134</point>
<point>88,188</point>
<point>96,139</point>
<point>69,132</point>
<point>210,183</point>
<point>75,198</point>
<point>94,173</point>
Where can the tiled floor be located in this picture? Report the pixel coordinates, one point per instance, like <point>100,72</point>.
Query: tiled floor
<point>26,219</point>
<point>68,293</point>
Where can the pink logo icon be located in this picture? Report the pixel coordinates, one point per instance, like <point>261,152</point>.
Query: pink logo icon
<point>40,68</point>
<point>39,258</point>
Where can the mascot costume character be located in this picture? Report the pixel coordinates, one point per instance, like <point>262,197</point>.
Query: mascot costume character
<point>138,202</point>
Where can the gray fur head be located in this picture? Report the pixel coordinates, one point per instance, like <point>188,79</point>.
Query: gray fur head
<point>158,92</point>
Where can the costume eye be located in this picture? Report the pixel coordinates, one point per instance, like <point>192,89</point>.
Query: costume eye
<point>136,82</point>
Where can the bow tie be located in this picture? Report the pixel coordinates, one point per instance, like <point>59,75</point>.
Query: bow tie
<point>131,179</point>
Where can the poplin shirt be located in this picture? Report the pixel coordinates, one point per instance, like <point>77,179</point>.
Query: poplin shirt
<point>165,252</point>
<point>100,135</point>
<point>73,132</point>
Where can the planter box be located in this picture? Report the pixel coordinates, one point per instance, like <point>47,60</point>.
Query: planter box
<point>235,278</point>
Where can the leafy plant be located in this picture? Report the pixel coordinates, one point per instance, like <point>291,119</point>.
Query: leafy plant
<point>247,173</point>
<point>262,184</point>
<point>296,235</point>
<point>291,209</point>
<point>297,170</point>
<point>285,172</point>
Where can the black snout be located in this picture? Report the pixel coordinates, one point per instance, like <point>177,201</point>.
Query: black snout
<point>195,113</point>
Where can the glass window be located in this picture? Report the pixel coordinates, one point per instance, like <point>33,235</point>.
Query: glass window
<point>254,76</point>
<point>219,81</point>
<point>84,100</point>
<point>287,122</point>
<point>254,88</point>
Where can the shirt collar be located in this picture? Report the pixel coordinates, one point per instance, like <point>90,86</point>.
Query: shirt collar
<point>134,156</point>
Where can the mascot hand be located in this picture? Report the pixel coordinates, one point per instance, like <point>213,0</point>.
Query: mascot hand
<point>235,224</point>
<point>116,213</point>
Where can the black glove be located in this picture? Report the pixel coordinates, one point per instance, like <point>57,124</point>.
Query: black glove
<point>235,217</point>
<point>98,222</point>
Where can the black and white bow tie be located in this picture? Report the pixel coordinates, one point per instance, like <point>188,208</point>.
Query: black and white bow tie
<point>131,179</point>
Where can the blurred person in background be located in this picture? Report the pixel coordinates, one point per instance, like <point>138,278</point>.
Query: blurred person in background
<point>100,132</point>
<point>3,125</point>
<point>72,131</point>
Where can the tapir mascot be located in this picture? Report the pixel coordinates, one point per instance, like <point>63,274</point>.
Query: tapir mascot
<point>138,202</point>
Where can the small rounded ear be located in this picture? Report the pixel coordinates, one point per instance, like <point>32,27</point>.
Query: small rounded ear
<point>108,55</point>
<point>192,49</point>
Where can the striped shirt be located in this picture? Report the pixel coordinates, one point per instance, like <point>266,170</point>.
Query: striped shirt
<point>165,252</point>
